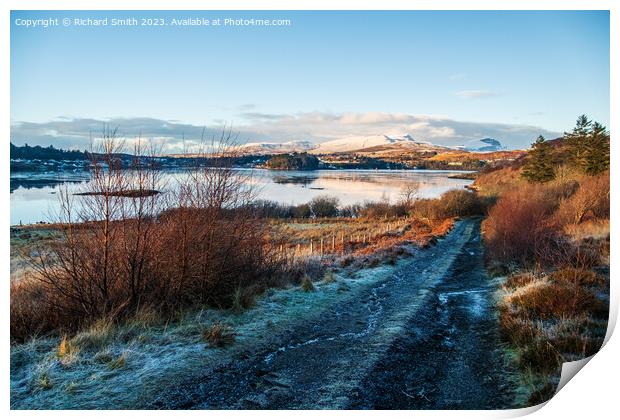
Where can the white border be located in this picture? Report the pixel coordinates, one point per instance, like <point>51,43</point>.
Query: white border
<point>591,395</point>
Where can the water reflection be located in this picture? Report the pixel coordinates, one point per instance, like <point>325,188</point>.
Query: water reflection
<point>29,181</point>
<point>34,196</point>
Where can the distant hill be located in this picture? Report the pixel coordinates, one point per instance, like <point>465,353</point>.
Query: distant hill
<point>369,145</point>
<point>276,148</point>
<point>361,152</point>
<point>375,144</point>
<point>484,145</point>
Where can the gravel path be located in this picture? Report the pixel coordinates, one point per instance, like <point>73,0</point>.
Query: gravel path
<point>424,337</point>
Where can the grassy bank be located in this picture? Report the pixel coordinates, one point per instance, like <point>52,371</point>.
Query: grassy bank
<point>98,365</point>
<point>548,237</point>
<point>112,365</point>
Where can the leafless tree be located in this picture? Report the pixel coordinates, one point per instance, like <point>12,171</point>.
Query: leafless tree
<point>127,242</point>
<point>409,193</point>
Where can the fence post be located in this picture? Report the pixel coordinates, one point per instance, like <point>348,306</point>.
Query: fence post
<point>321,245</point>
<point>333,243</point>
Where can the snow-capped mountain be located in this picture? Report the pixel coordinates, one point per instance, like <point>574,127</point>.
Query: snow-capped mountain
<point>275,148</point>
<point>483,145</point>
<point>358,143</point>
<point>374,144</point>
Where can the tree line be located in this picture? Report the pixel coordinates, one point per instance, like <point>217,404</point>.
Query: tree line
<point>585,148</point>
<point>45,153</point>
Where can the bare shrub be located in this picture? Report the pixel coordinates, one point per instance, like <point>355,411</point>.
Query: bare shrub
<point>560,252</point>
<point>462,203</point>
<point>324,206</point>
<point>453,203</point>
<point>118,253</point>
<point>590,201</point>
<point>32,313</point>
<point>266,209</point>
<point>382,209</point>
<point>527,226</point>
<point>517,229</point>
<point>351,210</point>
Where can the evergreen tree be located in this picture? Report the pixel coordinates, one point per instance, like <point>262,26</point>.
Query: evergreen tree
<point>539,166</point>
<point>596,151</point>
<point>588,146</point>
<point>577,139</point>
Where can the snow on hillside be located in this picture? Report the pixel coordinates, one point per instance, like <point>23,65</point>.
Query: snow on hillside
<point>275,148</point>
<point>483,145</point>
<point>353,143</point>
<point>358,143</point>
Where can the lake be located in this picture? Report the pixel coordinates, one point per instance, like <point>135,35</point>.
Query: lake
<point>34,196</point>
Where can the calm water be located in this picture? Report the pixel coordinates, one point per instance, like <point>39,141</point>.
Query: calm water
<point>34,196</point>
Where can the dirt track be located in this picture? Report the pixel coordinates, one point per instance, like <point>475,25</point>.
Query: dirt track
<point>424,337</point>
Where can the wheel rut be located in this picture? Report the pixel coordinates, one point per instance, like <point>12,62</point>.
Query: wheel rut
<point>423,337</point>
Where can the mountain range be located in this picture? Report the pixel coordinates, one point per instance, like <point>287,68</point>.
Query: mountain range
<point>368,144</point>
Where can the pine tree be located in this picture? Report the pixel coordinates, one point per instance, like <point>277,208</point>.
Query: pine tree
<point>588,146</point>
<point>539,166</point>
<point>596,151</point>
<point>577,139</point>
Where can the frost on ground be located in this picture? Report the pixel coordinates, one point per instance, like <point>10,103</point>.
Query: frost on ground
<point>124,366</point>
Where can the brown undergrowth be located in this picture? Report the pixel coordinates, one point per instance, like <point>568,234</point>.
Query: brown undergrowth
<point>552,241</point>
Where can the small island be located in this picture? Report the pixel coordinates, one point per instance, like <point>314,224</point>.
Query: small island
<point>293,161</point>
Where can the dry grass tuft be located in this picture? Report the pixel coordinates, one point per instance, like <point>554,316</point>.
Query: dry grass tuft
<point>551,319</point>
<point>96,337</point>
<point>519,280</point>
<point>547,300</point>
<point>218,335</point>
<point>67,351</point>
<point>589,229</point>
<point>306,284</point>
<point>577,277</point>
<point>118,363</point>
<point>329,277</point>
<point>44,381</point>
<point>244,298</point>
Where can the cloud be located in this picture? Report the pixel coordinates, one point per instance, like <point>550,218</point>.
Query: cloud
<point>77,133</point>
<point>262,116</point>
<point>478,94</point>
<point>457,76</point>
<point>176,137</point>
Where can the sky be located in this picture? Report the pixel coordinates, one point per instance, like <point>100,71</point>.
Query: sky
<point>444,77</point>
